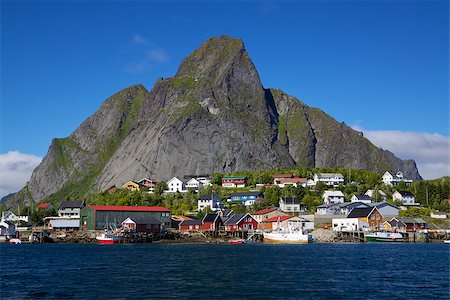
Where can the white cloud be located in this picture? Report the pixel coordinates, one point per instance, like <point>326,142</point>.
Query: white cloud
<point>158,55</point>
<point>150,54</point>
<point>431,151</point>
<point>140,40</point>
<point>15,170</point>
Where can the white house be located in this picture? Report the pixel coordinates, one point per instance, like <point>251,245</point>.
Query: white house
<point>406,198</point>
<point>12,217</point>
<point>292,181</point>
<point>333,197</point>
<point>328,209</point>
<point>331,179</point>
<point>349,225</point>
<point>193,184</point>
<point>291,205</point>
<point>204,180</point>
<point>175,185</point>
<point>361,198</point>
<point>381,194</point>
<point>71,209</point>
<point>211,201</point>
<point>7,229</point>
<point>389,179</point>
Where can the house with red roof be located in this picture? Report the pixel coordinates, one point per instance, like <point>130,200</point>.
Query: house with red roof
<point>266,213</point>
<point>45,206</point>
<point>99,217</point>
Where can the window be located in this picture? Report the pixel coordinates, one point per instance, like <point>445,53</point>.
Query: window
<point>378,217</point>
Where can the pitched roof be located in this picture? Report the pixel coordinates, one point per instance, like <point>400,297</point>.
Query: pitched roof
<point>72,204</point>
<point>293,180</point>
<point>275,219</point>
<point>406,194</point>
<point>210,217</point>
<point>265,211</point>
<point>129,208</point>
<point>146,221</point>
<point>227,212</point>
<point>235,219</point>
<point>329,175</point>
<point>190,222</point>
<point>360,212</point>
<point>44,205</point>
<point>363,197</point>
<point>381,204</point>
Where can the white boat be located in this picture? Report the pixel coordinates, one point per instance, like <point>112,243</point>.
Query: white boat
<point>447,241</point>
<point>109,237</point>
<point>287,236</point>
<point>382,236</point>
<point>15,241</point>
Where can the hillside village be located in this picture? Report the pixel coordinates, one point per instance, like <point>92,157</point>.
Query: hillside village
<point>229,204</point>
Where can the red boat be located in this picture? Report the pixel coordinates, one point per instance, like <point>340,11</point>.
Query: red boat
<point>109,238</point>
<point>237,242</point>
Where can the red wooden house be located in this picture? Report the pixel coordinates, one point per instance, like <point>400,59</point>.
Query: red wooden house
<point>211,222</point>
<point>240,222</point>
<point>150,225</point>
<point>190,225</point>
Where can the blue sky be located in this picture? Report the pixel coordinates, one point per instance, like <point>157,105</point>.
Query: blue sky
<point>381,66</point>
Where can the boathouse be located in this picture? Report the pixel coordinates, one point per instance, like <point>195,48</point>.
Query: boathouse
<point>150,225</point>
<point>98,217</point>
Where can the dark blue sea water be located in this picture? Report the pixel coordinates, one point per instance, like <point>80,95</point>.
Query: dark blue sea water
<point>260,271</point>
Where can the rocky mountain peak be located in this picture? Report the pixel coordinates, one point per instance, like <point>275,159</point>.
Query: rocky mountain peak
<point>223,61</point>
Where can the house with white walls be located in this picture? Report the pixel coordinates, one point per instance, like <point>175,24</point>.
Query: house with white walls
<point>330,179</point>
<point>361,198</point>
<point>332,197</point>
<point>175,185</point>
<point>392,180</point>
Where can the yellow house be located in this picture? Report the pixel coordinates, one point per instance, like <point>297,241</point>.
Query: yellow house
<point>131,185</point>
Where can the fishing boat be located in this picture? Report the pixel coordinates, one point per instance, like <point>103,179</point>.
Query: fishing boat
<point>108,237</point>
<point>287,235</point>
<point>237,242</point>
<point>447,241</point>
<point>381,236</point>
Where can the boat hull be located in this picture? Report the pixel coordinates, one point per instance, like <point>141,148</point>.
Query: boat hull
<point>237,242</point>
<point>294,238</point>
<point>384,237</point>
<point>109,241</point>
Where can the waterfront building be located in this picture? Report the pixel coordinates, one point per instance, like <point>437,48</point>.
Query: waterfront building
<point>12,217</point>
<point>64,224</point>
<point>385,208</point>
<point>7,229</point>
<point>349,225</point>
<point>190,225</point>
<point>405,224</point>
<point>98,217</point>
<point>71,209</point>
<point>139,225</point>
<point>211,222</point>
<point>240,222</point>
<point>369,215</point>
<point>267,213</point>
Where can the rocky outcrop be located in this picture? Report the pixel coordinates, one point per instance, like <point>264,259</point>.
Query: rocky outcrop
<point>213,116</point>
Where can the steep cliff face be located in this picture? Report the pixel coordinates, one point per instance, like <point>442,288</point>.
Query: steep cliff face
<point>213,116</point>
